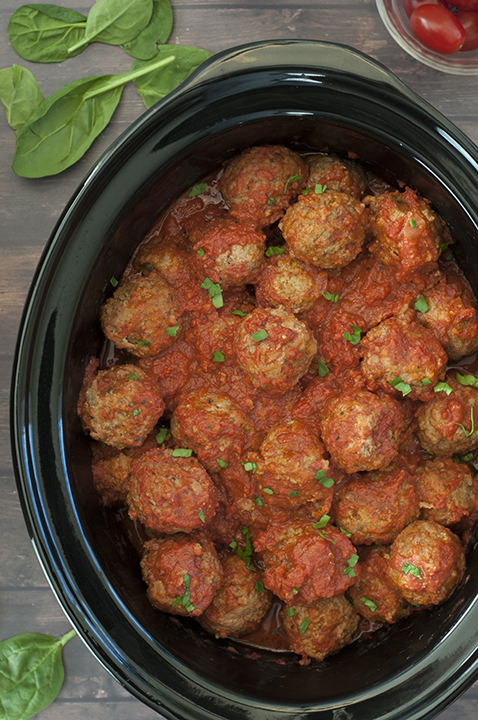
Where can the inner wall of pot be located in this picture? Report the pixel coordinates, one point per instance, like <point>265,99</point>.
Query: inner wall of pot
<point>264,675</point>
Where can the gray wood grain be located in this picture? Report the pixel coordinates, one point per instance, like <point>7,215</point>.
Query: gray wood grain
<point>29,210</point>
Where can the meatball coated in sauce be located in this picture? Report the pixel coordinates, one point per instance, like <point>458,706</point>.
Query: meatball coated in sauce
<point>448,423</point>
<point>170,494</point>
<point>260,183</point>
<point>320,629</point>
<point>326,230</point>
<point>361,430</point>
<point>139,315</point>
<point>289,283</point>
<point>304,562</point>
<point>119,406</point>
<point>426,562</point>
<point>445,490</point>
<point>182,574</point>
<point>401,350</point>
<point>376,506</point>
<point>274,349</point>
<point>240,602</point>
<point>337,174</point>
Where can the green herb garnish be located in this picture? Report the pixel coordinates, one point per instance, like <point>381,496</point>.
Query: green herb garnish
<point>401,386</point>
<point>291,179</point>
<point>468,434</point>
<point>259,586</point>
<point>443,387</point>
<point>351,563</point>
<point>355,337</point>
<point>410,569</point>
<point>172,330</point>
<point>323,369</point>
<point>333,297</point>
<point>467,380</point>
<point>274,250</point>
<point>260,335</point>
<point>413,224</point>
<point>222,463</point>
<point>368,603</point>
<point>197,190</point>
<point>162,435</point>
<point>185,600</point>
<point>217,356</point>
<point>182,452</point>
<point>421,305</point>
<point>320,475</point>
<point>304,625</point>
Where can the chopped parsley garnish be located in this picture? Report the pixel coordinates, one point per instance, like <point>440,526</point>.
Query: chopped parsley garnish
<point>319,189</point>
<point>464,458</point>
<point>467,380</point>
<point>182,452</point>
<point>133,376</point>
<point>143,343</point>
<point>442,247</point>
<point>304,625</point>
<point>136,411</point>
<point>401,386</point>
<point>468,434</point>
<point>410,569</point>
<point>320,475</point>
<point>247,552</point>
<point>295,591</point>
<point>399,200</point>
<point>268,491</point>
<point>443,387</point>
<point>201,515</point>
<point>351,563</point>
<point>421,305</point>
<point>345,532</point>
<point>197,190</point>
<point>413,224</point>
<point>114,281</point>
<point>162,435</point>
<point>323,369</point>
<point>291,611</point>
<point>355,337</point>
<point>222,463</point>
<point>426,381</point>
<point>368,603</point>
<point>185,600</point>
<point>293,178</point>
<point>258,501</point>
<point>200,252</point>
<point>270,201</point>
<point>325,537</point>
<point>333,297</point>
<point>172,330</point>
<point>249,466</point>
<point>260,335</point>
<point>233,545</point>
<point>322,522</point>
<point>274,250</point>
<point>259,586</point>
<point>217,356</point>
<point>293,494</point>
<point>241,313</point>
<point>214,290</point>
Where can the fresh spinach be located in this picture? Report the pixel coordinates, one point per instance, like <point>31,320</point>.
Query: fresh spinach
<point>20,95</point>
<point>63,127</point>
<point>44,33</point>
<point>31,673</point>
<point>115,21</point>
<point>145,45</point>
<point>156,85</point>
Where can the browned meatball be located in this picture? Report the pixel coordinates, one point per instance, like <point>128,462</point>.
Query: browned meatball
<point>240,603</point>
<point>334,173</point>
<point>110,469</point>
<point>373,595</point>
<point>259,183</point>
<point>142,317</point>
<point>167,259</point>
<point>170,493</point>
<point>213,426</point>
<point>119,406</point>
<point>444,490</point>
<point>400,351</point>
<point>287,282</point>
<point>182,574</point>
<point>227,252</point>
<point>376,506</point>
<point>274,349</point>
<point>361,430</point>
<point>293,553</point>
<point>320,629</point>
<point>407,231</point>
<point>290,467</point>
<point>451,314</point>
<point>327,229</point>
<point>426,562</point>
<point>448,423</point>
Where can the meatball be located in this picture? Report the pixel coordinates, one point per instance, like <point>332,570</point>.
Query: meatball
<point>289,283</point>
<point>227,252</point>
<point>240,603</point>
<point>213,426</point>
<point>305,561</point>
<point>399,350</point>
<point>120,406</point>
<point>170,493</point>
<point>110,469</point>
<point>274,349</point>
<point>447,424</point>
<point>373,595</point>
<point>290,467</point>
<point>451,314</point>
<point>444,490</point>
<point>407,231</point>
<point>327,229</point>
<point>142,317</point>
<point>426,562</point>
<point>337,174</point>
<point>376,506</point>
<point>320,629</point>
<point>182,574</point>
<point>362,430</point>
<point>259,183</point>
<point>167,259</point>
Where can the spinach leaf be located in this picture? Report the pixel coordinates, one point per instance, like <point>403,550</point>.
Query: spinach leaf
<point>63,127</point>
<point>156,85</point>
<point>115,21</point>
<point>43,33</point>
<point>31,673</point>
<point>145,45</point>
<point>20,95</point>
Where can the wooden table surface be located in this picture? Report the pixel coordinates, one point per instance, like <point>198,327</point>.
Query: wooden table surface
<point>29,210</point>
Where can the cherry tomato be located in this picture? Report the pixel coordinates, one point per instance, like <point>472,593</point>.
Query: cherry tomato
<point>471,5</point>
<point>410,5</point>
<point>469,20</point>
<point>437,28</point>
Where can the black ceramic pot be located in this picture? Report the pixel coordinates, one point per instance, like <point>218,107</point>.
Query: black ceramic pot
<point>314,95</point>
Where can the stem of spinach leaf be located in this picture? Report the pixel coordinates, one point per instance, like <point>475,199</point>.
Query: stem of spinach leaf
<point>126,77</point>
